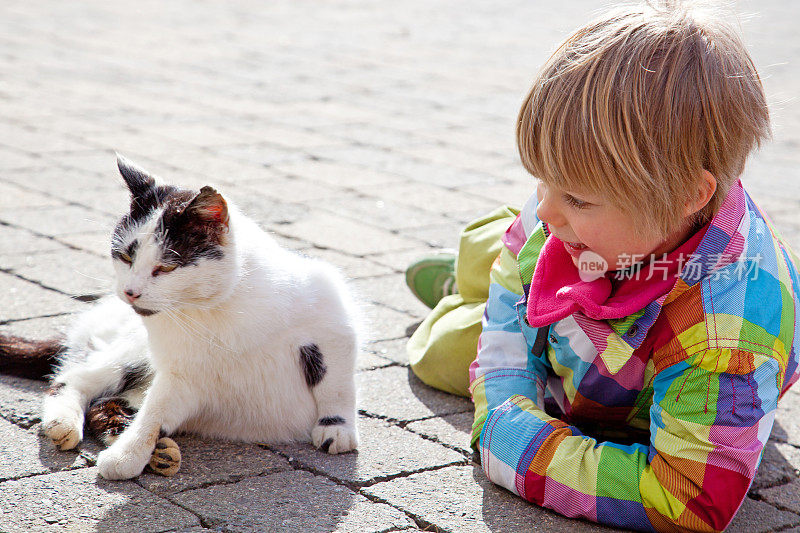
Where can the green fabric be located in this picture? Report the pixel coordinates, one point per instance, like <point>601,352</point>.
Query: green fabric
<point>432,278</point>
<point>445,344</point>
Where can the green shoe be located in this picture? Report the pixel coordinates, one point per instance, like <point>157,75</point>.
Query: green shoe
<point>432,278</point>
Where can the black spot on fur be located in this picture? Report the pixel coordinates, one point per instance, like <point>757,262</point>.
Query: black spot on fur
<point>163,466</point>
<point>133,376</point>
<point>326,445</point>
<point>194,230</point>
<point>313,364</point>
<point>331,421</point>
<point>143,312</point>
<point>132,247</point>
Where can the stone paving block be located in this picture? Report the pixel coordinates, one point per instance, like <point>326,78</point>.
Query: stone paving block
<point>15,159</point>
<point>431,197</point>
<point>331,231</point>
<point>382,212</point>
<point>97,162</point>
<point>21,241</point>
<point>391,291</point>
<point>264,154</point>
<point>292,189</point>
<point>787,424</point>
<point>461,499</point>
<point>72,272</point>
<point>207,461</point>
<point>370,361</point>
<point>504,192</point>
<point>399,261</point>
<point>437,236</point>
<point>54,221</point>
<point>352,267</point>
<point>784,496</point>
<point>757,517</point>
<point>79,500</point>
<point>458,157</point>
<point>12,195</point>
<point>94,242</point>
<point>394,350</point>
<point>53,179</point>
<point>396,393</point>
<point>452,430</point>
<point>39,328</point>
<point>112,200</point>
<point>384,451</point>
<point>21,399</point>
<point>32,141</point>
<point>25,452</point>
<point>382,323</point>
<point>779,464</point>
<point>268,213</point>
<point>21,299</point>
<point>338,174</point>
<point>290,501</point>
<point>204,168</point>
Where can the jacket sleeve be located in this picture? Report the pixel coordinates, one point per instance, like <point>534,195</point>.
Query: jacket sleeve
<point>503,366</point>
<point>710,418</point>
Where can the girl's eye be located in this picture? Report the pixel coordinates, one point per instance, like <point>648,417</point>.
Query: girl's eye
<point>163,269</point>
<point>574,202</point>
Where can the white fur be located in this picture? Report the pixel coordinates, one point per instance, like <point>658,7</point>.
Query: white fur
<point>224,346</point>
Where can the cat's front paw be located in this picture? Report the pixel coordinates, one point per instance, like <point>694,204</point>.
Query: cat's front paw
<point>335,439</point>
<point>122,461</point>
<point>64,426</point>
<point>166,458</point>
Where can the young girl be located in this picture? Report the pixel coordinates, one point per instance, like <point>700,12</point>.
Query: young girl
<point>637,326</point>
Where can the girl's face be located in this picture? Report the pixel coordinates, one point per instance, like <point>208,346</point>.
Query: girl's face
<point>590,223</point>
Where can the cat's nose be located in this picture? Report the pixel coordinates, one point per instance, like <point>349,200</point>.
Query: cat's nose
<point>132,296</point>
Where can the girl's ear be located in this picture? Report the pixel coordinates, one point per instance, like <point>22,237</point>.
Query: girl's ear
<point>138,180</point>
<point>706,187</point>
<point>209,206</point>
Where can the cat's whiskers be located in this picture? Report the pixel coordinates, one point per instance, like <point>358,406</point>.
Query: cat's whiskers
<point>189,323</point>
<point>188,329</point>
<point>104,280</point>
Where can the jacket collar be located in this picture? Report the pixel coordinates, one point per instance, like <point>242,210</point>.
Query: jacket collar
<point>722,245</point>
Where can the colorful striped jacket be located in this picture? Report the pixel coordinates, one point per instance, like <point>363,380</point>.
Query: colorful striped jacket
<point>674,403</point>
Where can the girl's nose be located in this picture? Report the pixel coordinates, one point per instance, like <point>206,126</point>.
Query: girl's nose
<point>546,210</point>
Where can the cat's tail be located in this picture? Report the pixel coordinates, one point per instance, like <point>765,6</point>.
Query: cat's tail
<point>29,358</point>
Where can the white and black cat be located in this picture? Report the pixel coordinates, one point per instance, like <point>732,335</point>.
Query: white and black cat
<point>216,331</point>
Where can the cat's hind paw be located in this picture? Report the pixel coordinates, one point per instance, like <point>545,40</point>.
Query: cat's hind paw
<point>166,458</point>
<point>335,439</point>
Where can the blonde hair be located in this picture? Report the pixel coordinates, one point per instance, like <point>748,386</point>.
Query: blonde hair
<point>637,103</point>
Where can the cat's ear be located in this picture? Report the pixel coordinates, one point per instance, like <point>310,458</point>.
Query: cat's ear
<point>138,180</point>
<point>209,206</point>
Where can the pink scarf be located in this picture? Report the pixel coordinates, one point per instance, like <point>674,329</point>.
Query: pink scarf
<point>557,290</point>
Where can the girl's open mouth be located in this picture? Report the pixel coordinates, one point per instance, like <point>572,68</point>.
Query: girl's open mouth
<point>575,246</point>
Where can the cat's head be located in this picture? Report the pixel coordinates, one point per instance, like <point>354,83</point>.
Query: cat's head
<point>174,248</point>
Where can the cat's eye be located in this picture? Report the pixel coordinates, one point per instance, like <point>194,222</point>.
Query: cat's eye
<point>163,269</point>
<point>125,258</point>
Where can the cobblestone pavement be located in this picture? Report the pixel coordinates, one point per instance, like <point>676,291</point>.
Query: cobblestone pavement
<point>364,133</point>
